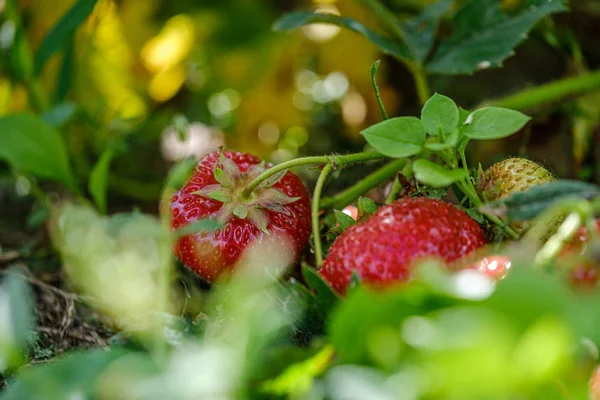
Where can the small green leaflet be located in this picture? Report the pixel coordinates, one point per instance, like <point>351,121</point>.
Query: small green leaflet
<point>432,174</point>
<point>300,18</point>
<point>98,180</point>
<point>58,35</point>
<point>326,296</point>
<point>396,137</point>
<point>439,115</point>
<point>495,123</point>
<point>344,220</point>
<point>484,35</point>
<point>530,203</point>
<point>29,144</point>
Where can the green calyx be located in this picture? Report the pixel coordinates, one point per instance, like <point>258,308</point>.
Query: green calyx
<point>230,191</point>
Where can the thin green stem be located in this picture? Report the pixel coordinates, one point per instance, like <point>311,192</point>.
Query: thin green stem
<point>338,161</point>
<point>352,193</point>
<point>159,345</point>
<point>315,214</point>
<point>394,190</point>
<point>550,92</point>
<point>421,84</point>
<point>376,89</point>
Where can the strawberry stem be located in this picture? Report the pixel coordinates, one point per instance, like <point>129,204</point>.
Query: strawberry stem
<point>352,193</point>
<point>315,214</point>
<point>335,160</point>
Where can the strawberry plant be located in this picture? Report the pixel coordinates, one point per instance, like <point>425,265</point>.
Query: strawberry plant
<point>405,262</point>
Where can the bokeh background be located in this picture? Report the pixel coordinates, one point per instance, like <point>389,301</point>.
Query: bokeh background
<point>159,80</point>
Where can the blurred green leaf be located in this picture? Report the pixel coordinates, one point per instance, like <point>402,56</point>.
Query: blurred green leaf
<point>439,115</point>
<point>60,33</point>
<point>66,72</point>
<point>29,144</point>
<point>98,181</point>
<point>495,123</point>
<point>484,35</point>
<point>298,378</point>
<point>432,174</point>
<point>420,31</point>
<point>396,137</point>
<point>48,381</point>
<point>300,18</point>
<point>533,201</point>
<point>364,310</point>
<point>366,208</point>
<point>59,114</point>
<point>203,225</point>
<point>16,319</point>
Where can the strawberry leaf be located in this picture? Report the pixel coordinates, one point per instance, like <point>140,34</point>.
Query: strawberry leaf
<point>366,208</point>
<point>432,174</point>
<point>396,137</point>
<point>439,115</point>
<point>494,123</point>
<point>300,18</point>
<point>420,31</point>
<point>326,296</point>
<point>530,203</point>
<point>484,34</point>
<point>344,220</point>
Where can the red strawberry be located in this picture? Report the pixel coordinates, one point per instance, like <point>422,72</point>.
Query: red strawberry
<point>584,273</point>
<point>382,249</point>
<point>279,205</point>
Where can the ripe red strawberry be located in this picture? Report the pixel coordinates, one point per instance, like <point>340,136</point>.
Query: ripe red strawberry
<point>383,248</point>
<point>279,205</point>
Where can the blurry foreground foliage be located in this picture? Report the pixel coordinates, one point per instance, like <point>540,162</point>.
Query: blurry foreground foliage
<point>106,104</point>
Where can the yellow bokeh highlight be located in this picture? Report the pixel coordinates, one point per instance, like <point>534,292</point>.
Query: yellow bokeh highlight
<point>171,46</point>
<point>110,62</point>
<point>165,84</point>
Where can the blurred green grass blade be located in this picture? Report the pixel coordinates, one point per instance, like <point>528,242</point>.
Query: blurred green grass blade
<point>98,181</point>
<point>29,144</point>
<point>300,18</point>
<point>60,33</point>
<point>66,71</point>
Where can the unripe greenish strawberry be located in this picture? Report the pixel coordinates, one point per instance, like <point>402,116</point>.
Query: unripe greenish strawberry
<point>510,176</point>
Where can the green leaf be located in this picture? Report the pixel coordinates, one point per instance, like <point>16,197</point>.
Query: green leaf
<point>447,143</point>
<point>495,123</point>
<point>61,32</point>
<point>83,370</point>
<point>29,144</point>
<point>439,115</point>
<point>344,220</point>
<point>432,174</point>
<point>366,208</point>
<point>300,18</point>
<point>463,115</point>
<point>326,297</point>
<point>179,173</point>
<point>420,31</point>
<point>484,35</point>
<point>59,114</point>
<point>533,201</point>
<point>16,319</point>
<point>397,137</point>
<point>220,195</point>
<point>203,225</point>
<point>98,180</point>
